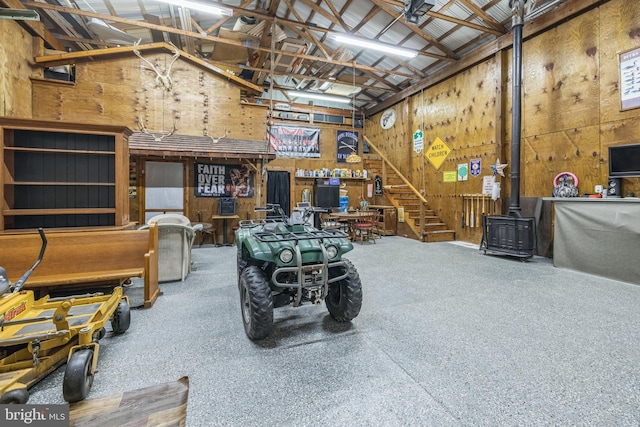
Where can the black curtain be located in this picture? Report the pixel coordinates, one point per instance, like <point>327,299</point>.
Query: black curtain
<point>278,189</point>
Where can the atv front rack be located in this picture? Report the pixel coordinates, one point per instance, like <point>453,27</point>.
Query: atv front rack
<point>270,237</point>
<point>250,223</point>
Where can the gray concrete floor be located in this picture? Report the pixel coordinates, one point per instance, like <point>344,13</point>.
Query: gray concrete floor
<point>447,336</point>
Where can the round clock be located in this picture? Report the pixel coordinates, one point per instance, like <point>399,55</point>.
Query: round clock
<point>388,119</point>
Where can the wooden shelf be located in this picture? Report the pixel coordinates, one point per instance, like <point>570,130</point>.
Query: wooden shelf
<point>57,150</point>
<point>62,211</point>
<point>62,175</point>
<point>326,177</point>
<point>88,184</point>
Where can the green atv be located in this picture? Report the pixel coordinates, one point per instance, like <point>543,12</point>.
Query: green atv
<point>284,261</point>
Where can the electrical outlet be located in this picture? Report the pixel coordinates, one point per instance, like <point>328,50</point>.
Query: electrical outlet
<point>598,189</point>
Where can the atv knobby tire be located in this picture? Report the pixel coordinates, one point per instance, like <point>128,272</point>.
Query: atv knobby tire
<point>256,302</point>
<point>345,296</point>
<point>242,262</point>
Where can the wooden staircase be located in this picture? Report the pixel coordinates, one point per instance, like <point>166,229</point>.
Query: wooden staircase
<point>421,222</point>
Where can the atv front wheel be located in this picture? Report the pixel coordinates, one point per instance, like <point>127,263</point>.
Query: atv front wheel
<point>256,302</point>
<point>242,262</point>
<point>345,296</point>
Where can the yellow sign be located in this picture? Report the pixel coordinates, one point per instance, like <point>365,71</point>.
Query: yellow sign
<point>437,153</point>
<point>449,176</point>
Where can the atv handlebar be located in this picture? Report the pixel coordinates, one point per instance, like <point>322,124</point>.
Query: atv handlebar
<point>306,212</point>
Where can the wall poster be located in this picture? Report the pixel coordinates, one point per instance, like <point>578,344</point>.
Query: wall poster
<point>630,79</point>
<point>347,143</point>
<point>213,180</point>
<point>295,141</point>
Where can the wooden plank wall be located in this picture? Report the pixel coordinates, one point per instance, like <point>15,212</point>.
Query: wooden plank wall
<point>570,114</point>
<point>122,91</point>
<point>328,153</point>
<point>15,70</point>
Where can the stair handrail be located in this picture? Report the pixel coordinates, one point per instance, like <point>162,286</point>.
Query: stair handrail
<point>405,180</point>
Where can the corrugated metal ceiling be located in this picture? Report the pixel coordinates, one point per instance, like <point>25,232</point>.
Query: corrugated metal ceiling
<point>448,31</point>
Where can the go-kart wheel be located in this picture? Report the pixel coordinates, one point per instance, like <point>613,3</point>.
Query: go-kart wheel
<point>18,396</point>
<point>256,302</point>
<point>78,378</point>
<point>99,334</point>
<point>121,318</point>
<point>345,296</point>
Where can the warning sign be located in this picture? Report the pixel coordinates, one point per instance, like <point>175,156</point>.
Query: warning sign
<point>437,153</point>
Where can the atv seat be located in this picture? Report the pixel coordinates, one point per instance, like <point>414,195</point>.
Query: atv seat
<point>270,227</point>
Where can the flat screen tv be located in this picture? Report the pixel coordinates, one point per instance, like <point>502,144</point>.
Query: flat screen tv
<point>624,161</point>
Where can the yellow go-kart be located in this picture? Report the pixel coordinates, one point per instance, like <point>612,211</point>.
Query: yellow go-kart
<point>37,336</point>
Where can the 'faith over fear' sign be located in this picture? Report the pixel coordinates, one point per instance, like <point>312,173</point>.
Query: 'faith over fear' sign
<point>213,180</point>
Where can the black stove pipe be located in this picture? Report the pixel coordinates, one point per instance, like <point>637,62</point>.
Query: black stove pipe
<point>518,21</point>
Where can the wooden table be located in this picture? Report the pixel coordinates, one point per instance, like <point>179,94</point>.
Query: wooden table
<point>224,219</point>
<point>350,218</point>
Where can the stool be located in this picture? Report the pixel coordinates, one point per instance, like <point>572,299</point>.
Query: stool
<point>206,230</point>
<point>234,228</point>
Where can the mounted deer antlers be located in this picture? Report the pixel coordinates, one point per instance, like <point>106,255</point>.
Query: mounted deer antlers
<point>214,140</point>
<point>156,137</point>
<point>161,78</point>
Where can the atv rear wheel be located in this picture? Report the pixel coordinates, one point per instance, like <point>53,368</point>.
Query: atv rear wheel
<point>256,302</point>
<point>345,296</point>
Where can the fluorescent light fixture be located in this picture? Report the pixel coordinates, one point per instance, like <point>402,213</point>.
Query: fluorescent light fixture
<point>19,14</point>
<point>208,8</point>
<point>320,96</point>
<point>110,34</point>
<point>368,44</point>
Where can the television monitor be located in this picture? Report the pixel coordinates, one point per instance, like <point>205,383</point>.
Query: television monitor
<point>326,196</point>
<point>624,161</point>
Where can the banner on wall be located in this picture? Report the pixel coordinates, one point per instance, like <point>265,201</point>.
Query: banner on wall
<point>347,143</point>
<point>295,141</point>
<point>214,180</point>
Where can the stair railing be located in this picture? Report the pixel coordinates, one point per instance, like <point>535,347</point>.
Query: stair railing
<point>386,163</point>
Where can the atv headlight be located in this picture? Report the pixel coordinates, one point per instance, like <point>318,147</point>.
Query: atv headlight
<point>332,252</point>
<point>286,255</point>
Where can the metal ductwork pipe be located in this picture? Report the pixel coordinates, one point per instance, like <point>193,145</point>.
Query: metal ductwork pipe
<point>517,7</point>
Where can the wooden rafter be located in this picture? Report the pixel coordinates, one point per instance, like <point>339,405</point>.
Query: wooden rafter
<point>200,36</point>
<point>72,57</point>
<point>417,30</point>
<point>484,16</point>
<point>320,79</point>
<point>492,3</point>
<point>35,26</point>
<point>564,11</point>
<point>465,23</point>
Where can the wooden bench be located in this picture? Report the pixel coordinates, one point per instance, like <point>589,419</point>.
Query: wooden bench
<point>83,259</point>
